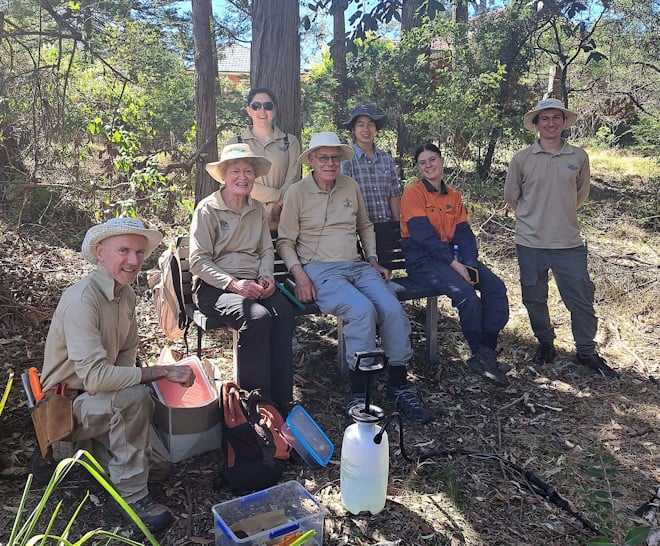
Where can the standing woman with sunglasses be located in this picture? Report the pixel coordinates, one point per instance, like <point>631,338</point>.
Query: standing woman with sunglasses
<point>281,149</point>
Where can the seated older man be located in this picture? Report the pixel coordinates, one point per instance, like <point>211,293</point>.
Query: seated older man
<point>322,216</point>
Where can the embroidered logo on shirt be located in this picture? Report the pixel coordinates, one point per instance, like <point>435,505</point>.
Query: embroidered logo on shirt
<point>449,206</point>
<point>224,225</point>
<point>572,167</point>
<point>130,315</point>
<point>348,202</point>
<point>283,148</point>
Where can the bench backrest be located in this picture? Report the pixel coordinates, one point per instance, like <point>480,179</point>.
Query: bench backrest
<point>388,245</point>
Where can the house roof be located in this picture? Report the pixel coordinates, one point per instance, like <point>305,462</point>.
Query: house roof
<point>234,59</point>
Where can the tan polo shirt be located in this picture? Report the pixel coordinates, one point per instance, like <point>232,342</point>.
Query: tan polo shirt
<point>92,340</point>
<point>227,245</point>
<point>545,189</point>
<point>321,226</point>
<point>284,169</point>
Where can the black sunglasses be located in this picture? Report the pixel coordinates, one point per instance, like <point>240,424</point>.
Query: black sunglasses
<point>258,105</point>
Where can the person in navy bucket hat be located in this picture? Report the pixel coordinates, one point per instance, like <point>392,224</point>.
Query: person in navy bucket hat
<point>373,168</point>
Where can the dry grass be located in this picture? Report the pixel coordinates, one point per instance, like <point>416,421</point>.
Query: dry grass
<point>576,431</point>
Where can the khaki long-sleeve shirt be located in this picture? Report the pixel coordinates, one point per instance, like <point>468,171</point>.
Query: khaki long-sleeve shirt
<point>317,225</point>
<point>284,169</point>
<point>226,245</point>
<point>92,340</point>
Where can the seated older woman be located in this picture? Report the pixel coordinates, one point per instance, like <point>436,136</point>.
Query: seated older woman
<point>231,257</point>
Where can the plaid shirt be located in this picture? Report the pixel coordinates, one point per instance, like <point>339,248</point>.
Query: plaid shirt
<point>378,181</point>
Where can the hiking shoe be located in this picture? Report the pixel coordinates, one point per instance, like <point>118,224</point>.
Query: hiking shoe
<point>155,516</point>
<point>40,468</point>
<point>490,356</point>
<point>488,370</point>
<point>407,401</point>
<point>545,354</point>
<point>598,364</point>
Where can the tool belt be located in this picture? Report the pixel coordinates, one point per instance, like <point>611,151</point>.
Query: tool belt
<point>53,418</point>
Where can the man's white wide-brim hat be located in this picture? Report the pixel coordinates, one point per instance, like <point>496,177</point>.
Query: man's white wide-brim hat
<point>231,152</point>
<point>118,226</point>
<point>546,104</point>
<point>326,139</point>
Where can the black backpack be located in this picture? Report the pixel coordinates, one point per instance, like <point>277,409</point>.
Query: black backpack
<point>255,449</point>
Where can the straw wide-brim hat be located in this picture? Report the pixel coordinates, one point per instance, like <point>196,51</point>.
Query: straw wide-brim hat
<point>368,109</point>
<point>232,152</point>
<point>118,226</point>
<point>546,104</point>
<point>326,139</point>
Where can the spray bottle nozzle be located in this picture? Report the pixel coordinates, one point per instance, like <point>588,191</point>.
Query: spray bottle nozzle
<point>369,363</point>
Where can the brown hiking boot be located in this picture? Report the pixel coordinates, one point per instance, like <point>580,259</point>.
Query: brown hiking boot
<point>155,516</point>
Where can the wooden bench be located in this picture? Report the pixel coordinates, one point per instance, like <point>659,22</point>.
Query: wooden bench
<point>388,242</point>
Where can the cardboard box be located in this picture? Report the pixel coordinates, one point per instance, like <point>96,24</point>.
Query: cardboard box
<point>189,421</point>
<point>272,517</point>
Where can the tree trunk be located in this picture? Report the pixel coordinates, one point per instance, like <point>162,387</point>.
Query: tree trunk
<point>484,168</point>
<point>338,55</point>
<point>275,57</point>
<point>459,12</point>
<point>205,85</point>
<point>555,88</point>
<point>410,14</point>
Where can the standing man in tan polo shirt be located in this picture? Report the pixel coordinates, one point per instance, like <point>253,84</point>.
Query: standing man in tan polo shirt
<point>545,185</point>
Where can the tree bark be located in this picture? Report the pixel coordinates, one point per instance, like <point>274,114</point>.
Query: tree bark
<point>410,14</point>
<point>338,55</point>
<point>275,57</point>
<point>459,12</point>
<point>205,86</point>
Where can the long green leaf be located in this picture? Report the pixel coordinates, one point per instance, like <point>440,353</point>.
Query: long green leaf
<point>23,534</point>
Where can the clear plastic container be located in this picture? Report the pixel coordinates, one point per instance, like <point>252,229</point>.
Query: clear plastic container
<point>272,516</point>
<point>307,438</point>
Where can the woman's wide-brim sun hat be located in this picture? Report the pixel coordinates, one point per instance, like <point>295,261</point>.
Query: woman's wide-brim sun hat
<point>368,109</point>
<point>323,140</point>
<point>232,152</point>
<point>546,104</point>
<point>118,226</point>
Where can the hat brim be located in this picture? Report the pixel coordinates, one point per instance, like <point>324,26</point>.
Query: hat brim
<point>100,232</point>
<point>379,120</point>
<point>570,119</point>
<point>346,151</point>
<point>217,169</point>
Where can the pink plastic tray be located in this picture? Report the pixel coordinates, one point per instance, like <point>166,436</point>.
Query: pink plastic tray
<point>175,396</point>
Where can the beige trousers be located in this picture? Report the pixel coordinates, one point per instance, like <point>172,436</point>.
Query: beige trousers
<point>115,427</point>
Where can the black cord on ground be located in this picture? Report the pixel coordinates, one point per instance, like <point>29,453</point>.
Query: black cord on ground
<point>538,486</point>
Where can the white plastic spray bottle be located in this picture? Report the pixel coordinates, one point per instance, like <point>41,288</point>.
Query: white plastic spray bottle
<point>365,461</point>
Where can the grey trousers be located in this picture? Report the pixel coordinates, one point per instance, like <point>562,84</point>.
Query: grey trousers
<point>569,268</point>
<point>115,427</point>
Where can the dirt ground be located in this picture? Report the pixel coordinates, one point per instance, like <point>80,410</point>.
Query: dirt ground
<point>595,441</point>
